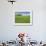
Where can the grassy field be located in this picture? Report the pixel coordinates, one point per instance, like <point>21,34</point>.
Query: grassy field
<point>22,19</point>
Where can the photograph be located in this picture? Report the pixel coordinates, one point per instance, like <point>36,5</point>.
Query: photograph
<point>23,17</point>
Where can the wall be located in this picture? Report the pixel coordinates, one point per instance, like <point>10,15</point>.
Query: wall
<point>9,31</point>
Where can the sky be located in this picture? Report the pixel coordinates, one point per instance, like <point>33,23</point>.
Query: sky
<point>23,13</point>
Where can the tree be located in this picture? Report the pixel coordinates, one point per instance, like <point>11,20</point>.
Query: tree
<point>18,15</point>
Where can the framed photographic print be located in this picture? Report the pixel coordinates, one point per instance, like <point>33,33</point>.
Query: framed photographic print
<point>23,17</point>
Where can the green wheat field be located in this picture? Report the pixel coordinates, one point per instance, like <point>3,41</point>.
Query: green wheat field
<point>22,19</point>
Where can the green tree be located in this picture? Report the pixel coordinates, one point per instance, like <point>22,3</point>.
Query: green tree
<point>18,15</point>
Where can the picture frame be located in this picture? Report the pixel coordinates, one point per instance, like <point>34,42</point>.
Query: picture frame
<point>25,17</point>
